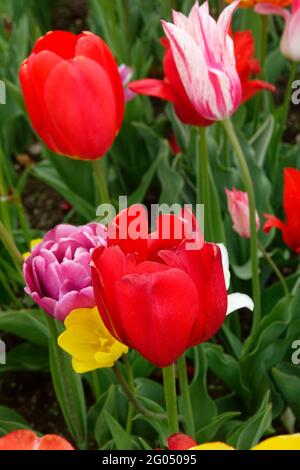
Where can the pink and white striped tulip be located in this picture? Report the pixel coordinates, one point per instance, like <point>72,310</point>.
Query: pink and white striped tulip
<point>290,41</point>
<point>203,51</point>
<point>238,207</point>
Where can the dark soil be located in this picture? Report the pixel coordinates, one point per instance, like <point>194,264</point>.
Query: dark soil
<point>32,395</point>
<point>44,206</point>
<point>70,15</point>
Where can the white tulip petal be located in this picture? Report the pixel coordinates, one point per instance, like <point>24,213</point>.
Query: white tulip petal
<point>225,262</point>
<point>237,301</point>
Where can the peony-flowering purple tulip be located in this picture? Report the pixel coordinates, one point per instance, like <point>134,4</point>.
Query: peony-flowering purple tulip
<point>57,272</point>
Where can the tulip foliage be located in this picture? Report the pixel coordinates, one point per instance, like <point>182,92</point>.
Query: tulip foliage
<point>150,225</point>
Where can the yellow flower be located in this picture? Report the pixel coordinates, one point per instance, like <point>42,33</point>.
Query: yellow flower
<point>88,341</point>
<point>288,442</point>
<point>33,243</point>
<point>252,3</point>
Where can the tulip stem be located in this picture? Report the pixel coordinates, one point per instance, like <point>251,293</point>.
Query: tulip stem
<point>171,398</point>
<point>100,178</point>
<point>252,209</point>
<point>274,267</point>
<point>140,408</point>
<point>285,114</point>
<point>131,385</point>
<point>10,245</point>
<point>186,399</point>
<point>203,179</point>
<point>263,51</point>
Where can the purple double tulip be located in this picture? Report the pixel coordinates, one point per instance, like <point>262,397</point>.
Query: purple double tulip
<point>58,273</point>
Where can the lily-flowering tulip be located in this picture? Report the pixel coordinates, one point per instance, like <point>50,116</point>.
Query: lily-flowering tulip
<point>27,440</point>
<point>290,42</point>
<point>89,342</point>
<point>238,207</point>
<point>73,93</point>
<point>183,442</point>
<point>57,272</point>
<point>253,3</point>
<point>291,201</point>
<point>172,88</point>
<point>158,293</point>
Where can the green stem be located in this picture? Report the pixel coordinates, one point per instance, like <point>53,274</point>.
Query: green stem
<point>185,393</point>
<point>252,209</point>
<point>128,27</point>
<point>132,398</point>
<point>5,215</point>
<point>131,385</point>
<point>284,115</point>
<point>22,218</point>
<point>95,384</point>
<point>263,53</point>
<point>100,178</point>
<point>274,267</point>
<point>171,398</point>
<point>203,179</point>
<point>10,245</point>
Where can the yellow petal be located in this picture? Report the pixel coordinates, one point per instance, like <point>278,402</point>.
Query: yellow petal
<point>88,341</point>
<point>213,446</point>
<point>82,367</point>
<point>80,342</point>
<point>288,442</point>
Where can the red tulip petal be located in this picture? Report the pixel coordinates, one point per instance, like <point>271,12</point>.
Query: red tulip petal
<point>108,266</point>
<point>53,442</point>
<point>169,234</point>
<point>205,268</point>
<point>158,312</point>
<point>33,75</point>
<point>19,440</point>
<point>83,111</point>
<point>155,88</point>
<point>93,47</point>
<point>292,206</point>
<point>180,442</point>
<point>62,43</point>
<point>129,230</point>
<point>255,86</point>
<point>273,222</point>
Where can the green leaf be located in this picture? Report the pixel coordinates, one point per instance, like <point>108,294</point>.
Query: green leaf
<point>27,324</point>
<point>262,139</point>
<point>208,432</point>
<point>121,438</point>
<point>204,407</point>
<point>140,193</point>
<point>250,432</point>
<point>287,379</point>
<point>227,369</point>
<point>68,388</point>
<point>26,357</point>
<point>9,414</point>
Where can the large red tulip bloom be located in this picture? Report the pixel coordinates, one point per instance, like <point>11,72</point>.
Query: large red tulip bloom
<point>24,439</point>
<point>154,293</point>
<point>291,227</point>
<point>171,88</point>
<point>73,93</point>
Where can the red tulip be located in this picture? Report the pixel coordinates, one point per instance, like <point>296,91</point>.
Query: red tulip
<point>171,88</point>
<point>27,440</point>
<point>180,441</point>
<point>73,93</point>
<point>154,293</point>
<point>291,228</point>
